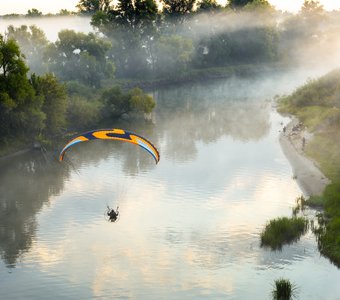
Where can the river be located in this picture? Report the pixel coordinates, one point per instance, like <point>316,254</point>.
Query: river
<point>189,227</point>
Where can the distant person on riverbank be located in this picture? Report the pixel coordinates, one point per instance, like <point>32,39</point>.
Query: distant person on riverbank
<point>303,143</point>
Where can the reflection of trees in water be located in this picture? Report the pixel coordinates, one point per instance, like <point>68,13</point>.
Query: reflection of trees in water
<point>26,183</point>
<point>216,250</point>
<point>206,113</point>
<point>184,116</point>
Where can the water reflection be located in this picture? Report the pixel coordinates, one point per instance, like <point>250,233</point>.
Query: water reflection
<point>188,115</point>
<point>189,226</point>
<point>26,183</point>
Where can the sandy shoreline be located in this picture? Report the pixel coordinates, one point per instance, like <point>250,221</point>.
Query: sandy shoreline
<point>309,177</point>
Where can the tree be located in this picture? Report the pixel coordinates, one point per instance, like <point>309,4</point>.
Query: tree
<point>81,57</point>
<point>13,70</point>
<point>20,109</point>
<point>132,26</point>
<point>178,9</point>
<point>208,6</point>
<point>117,103</point>
<point>312,13</point>
<point>65,12</point>
<point>259,6</point>
<point>173,53</point>
<point>33,42</point>
<point>33,13</point>
<point>92,6</point>
<point>238,3</point>
<point>311,6</point>
<point>54,100</point>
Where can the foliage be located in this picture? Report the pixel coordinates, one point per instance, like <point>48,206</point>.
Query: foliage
<point>238,3</point>
<point>208,6</point>
<point>54,100</point>
<point>131,26</point>
<point>33,13</point>
<point>75,88</point>
<point>173,54</point>
<point>117,103</point>
<point>317,105</point>
<point>282,231</point>
<point>284,290</point>
<point>178,9</point>
<point>82,113</point>
<point>92,6</point>
<point>19,108</point>
<point>315,201</point>
<point>65,12</point>
<point>81,57</point>
<point>33,42</point>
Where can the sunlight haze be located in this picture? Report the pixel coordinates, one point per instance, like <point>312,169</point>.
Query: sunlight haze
<point>48,6</point>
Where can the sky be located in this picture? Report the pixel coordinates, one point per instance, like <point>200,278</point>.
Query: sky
<point>54,6</point>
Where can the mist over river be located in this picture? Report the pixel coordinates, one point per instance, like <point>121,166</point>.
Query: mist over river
<point>189,227</point>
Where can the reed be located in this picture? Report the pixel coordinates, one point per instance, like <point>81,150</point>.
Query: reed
<point>283,290</point>
<point>282,231</point>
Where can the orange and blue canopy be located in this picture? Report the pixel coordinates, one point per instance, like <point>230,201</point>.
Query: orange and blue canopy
<point>113,134</point>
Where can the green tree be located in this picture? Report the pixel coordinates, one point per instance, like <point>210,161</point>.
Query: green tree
<point>311,7</point>
<point>65,12</point>
<point>173,53</point>
<point>20,109</point>
<point>116,103</point>
<point>238,3</point>
<point>92,6</point>
<point>208,6</point>
<point>82,113</point>
<point>259,6</point>
<point>81,57</point>
<point>132,27</point>
<point>33,42</point>
<point>33,13</point>
<point>178,9</point>
<point>54,100</point>
<point>141,102</point>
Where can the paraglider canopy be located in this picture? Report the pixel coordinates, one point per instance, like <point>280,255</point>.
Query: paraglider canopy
<point>113,134</point>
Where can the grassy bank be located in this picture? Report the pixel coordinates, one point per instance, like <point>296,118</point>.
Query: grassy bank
<point>317,105</point>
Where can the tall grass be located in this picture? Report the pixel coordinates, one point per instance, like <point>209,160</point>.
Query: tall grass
<point>282,231</point>
<point>283,290</point>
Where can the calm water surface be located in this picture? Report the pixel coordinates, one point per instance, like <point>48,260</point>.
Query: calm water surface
<point>189,227</point>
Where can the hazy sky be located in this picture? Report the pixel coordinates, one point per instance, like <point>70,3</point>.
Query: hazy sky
<point>53,6</point>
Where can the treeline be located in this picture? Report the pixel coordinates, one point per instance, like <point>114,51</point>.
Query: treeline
<point>317,105</point>
<point>49,87</point>
<point>137,39</point>
<point>41,107</point>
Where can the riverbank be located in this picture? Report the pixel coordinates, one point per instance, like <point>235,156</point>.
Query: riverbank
<point>199,75</point>
<point>293,139</point>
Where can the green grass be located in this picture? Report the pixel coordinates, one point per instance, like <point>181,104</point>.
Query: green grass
<point>282,231</point>
<point>315,201</point>
<point>317,105</point>
<point>283,290</point>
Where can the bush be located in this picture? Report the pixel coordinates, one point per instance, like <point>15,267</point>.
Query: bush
<point>83,114</point>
